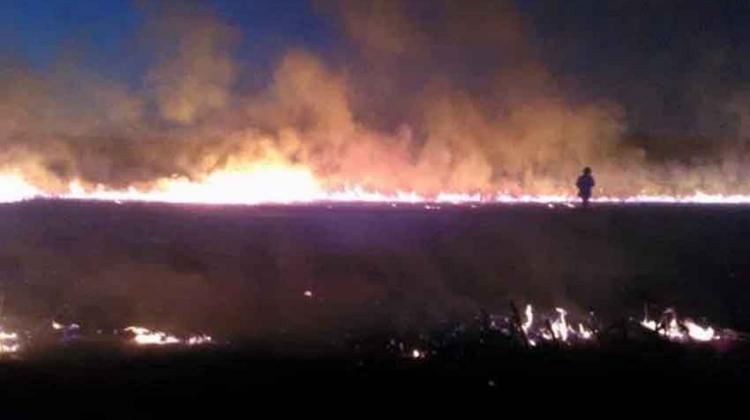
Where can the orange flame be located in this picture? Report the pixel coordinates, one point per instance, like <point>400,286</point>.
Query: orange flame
<point>274,183</point>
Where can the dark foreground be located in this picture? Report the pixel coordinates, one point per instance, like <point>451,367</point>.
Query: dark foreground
<point>323,278</point>
<point>246,271</point>
<point>116,383</point>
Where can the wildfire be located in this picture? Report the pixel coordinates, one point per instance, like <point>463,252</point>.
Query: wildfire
<point>145,337</point>
<point>556,328</point>
<point>14,188</point>
<point>673,328</point>
<point>199,340</point>
<point>289,184</point>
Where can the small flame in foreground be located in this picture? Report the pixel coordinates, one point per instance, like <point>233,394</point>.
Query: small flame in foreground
<point>675,329</point>
<point>559,329</point>
<point>699,333</point>
<point>529,319</point>
<point>560,325</point>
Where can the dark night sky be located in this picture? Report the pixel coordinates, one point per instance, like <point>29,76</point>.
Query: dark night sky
<point>651,56</point>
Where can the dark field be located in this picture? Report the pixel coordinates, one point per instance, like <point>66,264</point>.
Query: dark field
<point>243,271</point>
<point>374,273</point>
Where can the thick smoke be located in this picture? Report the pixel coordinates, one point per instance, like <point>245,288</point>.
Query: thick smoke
<point>424,96</point>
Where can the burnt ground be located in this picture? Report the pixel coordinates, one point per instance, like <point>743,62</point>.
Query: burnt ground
<point>375,272</point>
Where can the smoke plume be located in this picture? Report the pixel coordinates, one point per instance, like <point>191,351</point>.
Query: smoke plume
<point>417,96</point>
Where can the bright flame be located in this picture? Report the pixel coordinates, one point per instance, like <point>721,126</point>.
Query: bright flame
<point>699,333</point>
<point>9,342</point>
<point>199,340</point>
<point>14,188</point>
<point>529,320</point>
<point>674,329</point>
<point>584,332</point>
<point>559,328</point>
<point>144,336</point>
<point>275,183</point>
<point>649,324</point>
<point>560,325</point>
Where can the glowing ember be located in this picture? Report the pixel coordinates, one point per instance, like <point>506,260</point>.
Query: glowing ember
<point>199,340</point>
<point>62,327</point>
<point>69,332</point>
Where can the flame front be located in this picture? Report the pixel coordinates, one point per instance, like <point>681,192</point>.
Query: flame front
<point>14,188</point>
<point>274,183</point>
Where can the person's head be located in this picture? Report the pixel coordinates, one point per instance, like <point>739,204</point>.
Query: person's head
<point>587,171</point>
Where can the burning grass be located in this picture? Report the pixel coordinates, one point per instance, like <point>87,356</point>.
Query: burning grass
<point>530,328</point>
<point>280,184</point>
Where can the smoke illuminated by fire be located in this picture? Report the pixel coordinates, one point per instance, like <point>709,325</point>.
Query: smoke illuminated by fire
<point>374,126</point>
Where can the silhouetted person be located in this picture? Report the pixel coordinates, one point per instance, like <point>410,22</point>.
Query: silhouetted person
<point>585,184</point>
